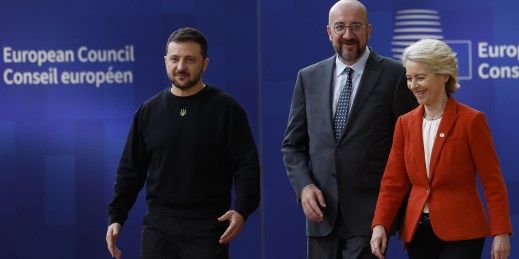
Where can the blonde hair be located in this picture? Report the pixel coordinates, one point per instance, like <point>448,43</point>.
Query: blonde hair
<point>438,56</point>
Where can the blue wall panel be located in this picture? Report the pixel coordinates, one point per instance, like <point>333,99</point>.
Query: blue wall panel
<point>60,142</point>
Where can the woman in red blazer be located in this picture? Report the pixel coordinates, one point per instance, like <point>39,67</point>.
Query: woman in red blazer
<point>438,150</point>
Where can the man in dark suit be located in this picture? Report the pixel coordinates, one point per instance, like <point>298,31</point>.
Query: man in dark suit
<point>335,169</point>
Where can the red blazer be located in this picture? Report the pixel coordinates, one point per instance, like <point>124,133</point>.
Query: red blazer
<point>462,149</point>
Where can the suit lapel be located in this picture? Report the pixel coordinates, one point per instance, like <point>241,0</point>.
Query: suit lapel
<point>369,79</point>
<point>448,119</point>
<point>326,93</point>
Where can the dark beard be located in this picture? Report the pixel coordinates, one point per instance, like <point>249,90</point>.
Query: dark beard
<point>353,56</point>
<point>188,84</point>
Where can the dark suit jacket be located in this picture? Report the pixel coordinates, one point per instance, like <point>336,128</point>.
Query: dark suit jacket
<point>348,172</point>
<point>463,148</point>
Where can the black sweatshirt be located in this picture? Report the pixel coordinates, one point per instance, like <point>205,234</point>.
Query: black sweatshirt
<point>188,151</point>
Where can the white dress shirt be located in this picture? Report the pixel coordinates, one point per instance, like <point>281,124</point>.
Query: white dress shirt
<point>429,130</point>
<point>339,79</point>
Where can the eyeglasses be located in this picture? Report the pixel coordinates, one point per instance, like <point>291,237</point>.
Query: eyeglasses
<point>340,29</point>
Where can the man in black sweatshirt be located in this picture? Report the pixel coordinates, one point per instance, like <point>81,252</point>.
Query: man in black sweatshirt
<point>189,144</point>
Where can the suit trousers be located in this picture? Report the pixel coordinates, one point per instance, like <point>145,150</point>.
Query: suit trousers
<point>426,245</point>
<point>340,244</point>
<point>182,238</point>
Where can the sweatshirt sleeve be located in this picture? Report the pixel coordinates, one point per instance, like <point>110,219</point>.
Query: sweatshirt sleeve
<point>244,163</point>
<point>131,174</point>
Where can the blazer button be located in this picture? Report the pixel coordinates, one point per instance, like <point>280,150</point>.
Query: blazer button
<point>334,175</point>
<point>428,190</point>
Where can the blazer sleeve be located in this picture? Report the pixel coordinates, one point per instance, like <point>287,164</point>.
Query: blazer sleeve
<point>395,182</point>
<point>295,147</point>
<point>487,163</point>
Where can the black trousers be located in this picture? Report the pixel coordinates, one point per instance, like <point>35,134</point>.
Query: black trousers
<point>426,245</point>
<point>182,238</point>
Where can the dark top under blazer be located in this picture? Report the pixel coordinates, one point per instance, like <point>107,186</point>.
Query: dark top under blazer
<point>349,171</point>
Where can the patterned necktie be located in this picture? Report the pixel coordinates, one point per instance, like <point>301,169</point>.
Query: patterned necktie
<point>343,106</point>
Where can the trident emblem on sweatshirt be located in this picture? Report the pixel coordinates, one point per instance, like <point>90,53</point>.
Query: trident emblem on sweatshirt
<point>183,112</point>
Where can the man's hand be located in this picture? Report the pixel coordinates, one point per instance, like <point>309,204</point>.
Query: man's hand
<point>378,241</point>
<point>236,223</point>
<point>111,237</point>
<point>311,199</point>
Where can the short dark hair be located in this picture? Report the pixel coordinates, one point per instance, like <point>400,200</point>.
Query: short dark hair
<point>189,34</point>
